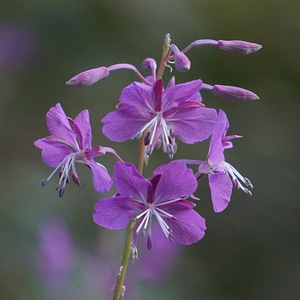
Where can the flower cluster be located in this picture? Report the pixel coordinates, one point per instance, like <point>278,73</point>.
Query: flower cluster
<point>156,113</point>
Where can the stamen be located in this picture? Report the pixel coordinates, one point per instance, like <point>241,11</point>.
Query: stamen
<point>164,226</point>
<point>237,178</point>
<point>61,192</point>
<point>170,150</point>
<point>44,182</point>
<point>166,214</point>
<point>139,134</point>
<point>144,221</point>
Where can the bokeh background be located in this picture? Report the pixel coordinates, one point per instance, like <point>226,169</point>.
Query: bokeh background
<point>251,250</point>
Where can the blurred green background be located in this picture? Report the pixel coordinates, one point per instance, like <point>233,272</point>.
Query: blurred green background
<point>251,250</point>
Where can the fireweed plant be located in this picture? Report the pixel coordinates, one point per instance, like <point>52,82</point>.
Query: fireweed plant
<point>155,113</point>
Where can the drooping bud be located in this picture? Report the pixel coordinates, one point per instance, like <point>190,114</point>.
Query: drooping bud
<point>149,64</point>
<point>238,47</point>
<point>233,93</point>
<point>182,63</point>
<point>88,77</point>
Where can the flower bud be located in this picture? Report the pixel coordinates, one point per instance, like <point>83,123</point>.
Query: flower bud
<point>149,64</point>
<point>88,77</point>
<point>238,47</point>
<point>233,93</point>
<point>182,63</point>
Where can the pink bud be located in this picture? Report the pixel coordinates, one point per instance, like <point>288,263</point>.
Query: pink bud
<point>182,63</point>
<point>88,77</point>
<point>149,64</point>
<point>238,47</point>
<point>233,93</point>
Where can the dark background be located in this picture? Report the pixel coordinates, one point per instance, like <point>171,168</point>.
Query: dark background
<point>251,250</point>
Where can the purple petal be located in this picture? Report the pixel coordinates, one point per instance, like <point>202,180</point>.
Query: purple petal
<point>189,226</point>
<point>182,92</point>
<point>115,213</point>
<point>129,182</point>
<point>176,181</point>
<point>101,179</point>
<point>216,148</point>
<point>221,189</point>
<point>83,130</point>
<point>193,124</point>
<point>123,124</point>
<point>53,153</point>
<point>59,126</point>
<point>137,94</point>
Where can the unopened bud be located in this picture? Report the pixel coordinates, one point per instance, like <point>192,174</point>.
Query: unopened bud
<point>233,93</point>
<point>88,77</point>
<point>182,63</point>
<point>238,47</point>
<point>149,64</point>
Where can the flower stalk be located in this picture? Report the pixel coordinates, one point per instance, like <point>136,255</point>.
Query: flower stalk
<point>119,287</point>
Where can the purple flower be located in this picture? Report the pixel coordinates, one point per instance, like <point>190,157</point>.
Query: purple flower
<point>163,196</point>
<point>220,173</point>
<point>160,114</point>
<point>70,142</point>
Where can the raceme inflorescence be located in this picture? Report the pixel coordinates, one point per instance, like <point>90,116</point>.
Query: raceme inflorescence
<point>157,113</point>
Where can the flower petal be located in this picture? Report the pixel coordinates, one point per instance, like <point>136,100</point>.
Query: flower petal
<point>115,213</point>
<point>137,94</point>
<point>123,124</point>
<point>59,126</point>
<point>193,124</point>
<point>176,181</point>
<point>216,148</point>
<point>182,92</point>
<point>221,190</point>
<point>129,182</point>
<point>53,153</point>
<point>189,226</point>
<point>83,130</point>
<point>101,179</point>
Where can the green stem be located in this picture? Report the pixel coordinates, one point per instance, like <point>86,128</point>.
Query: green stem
<point>119,288</point>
